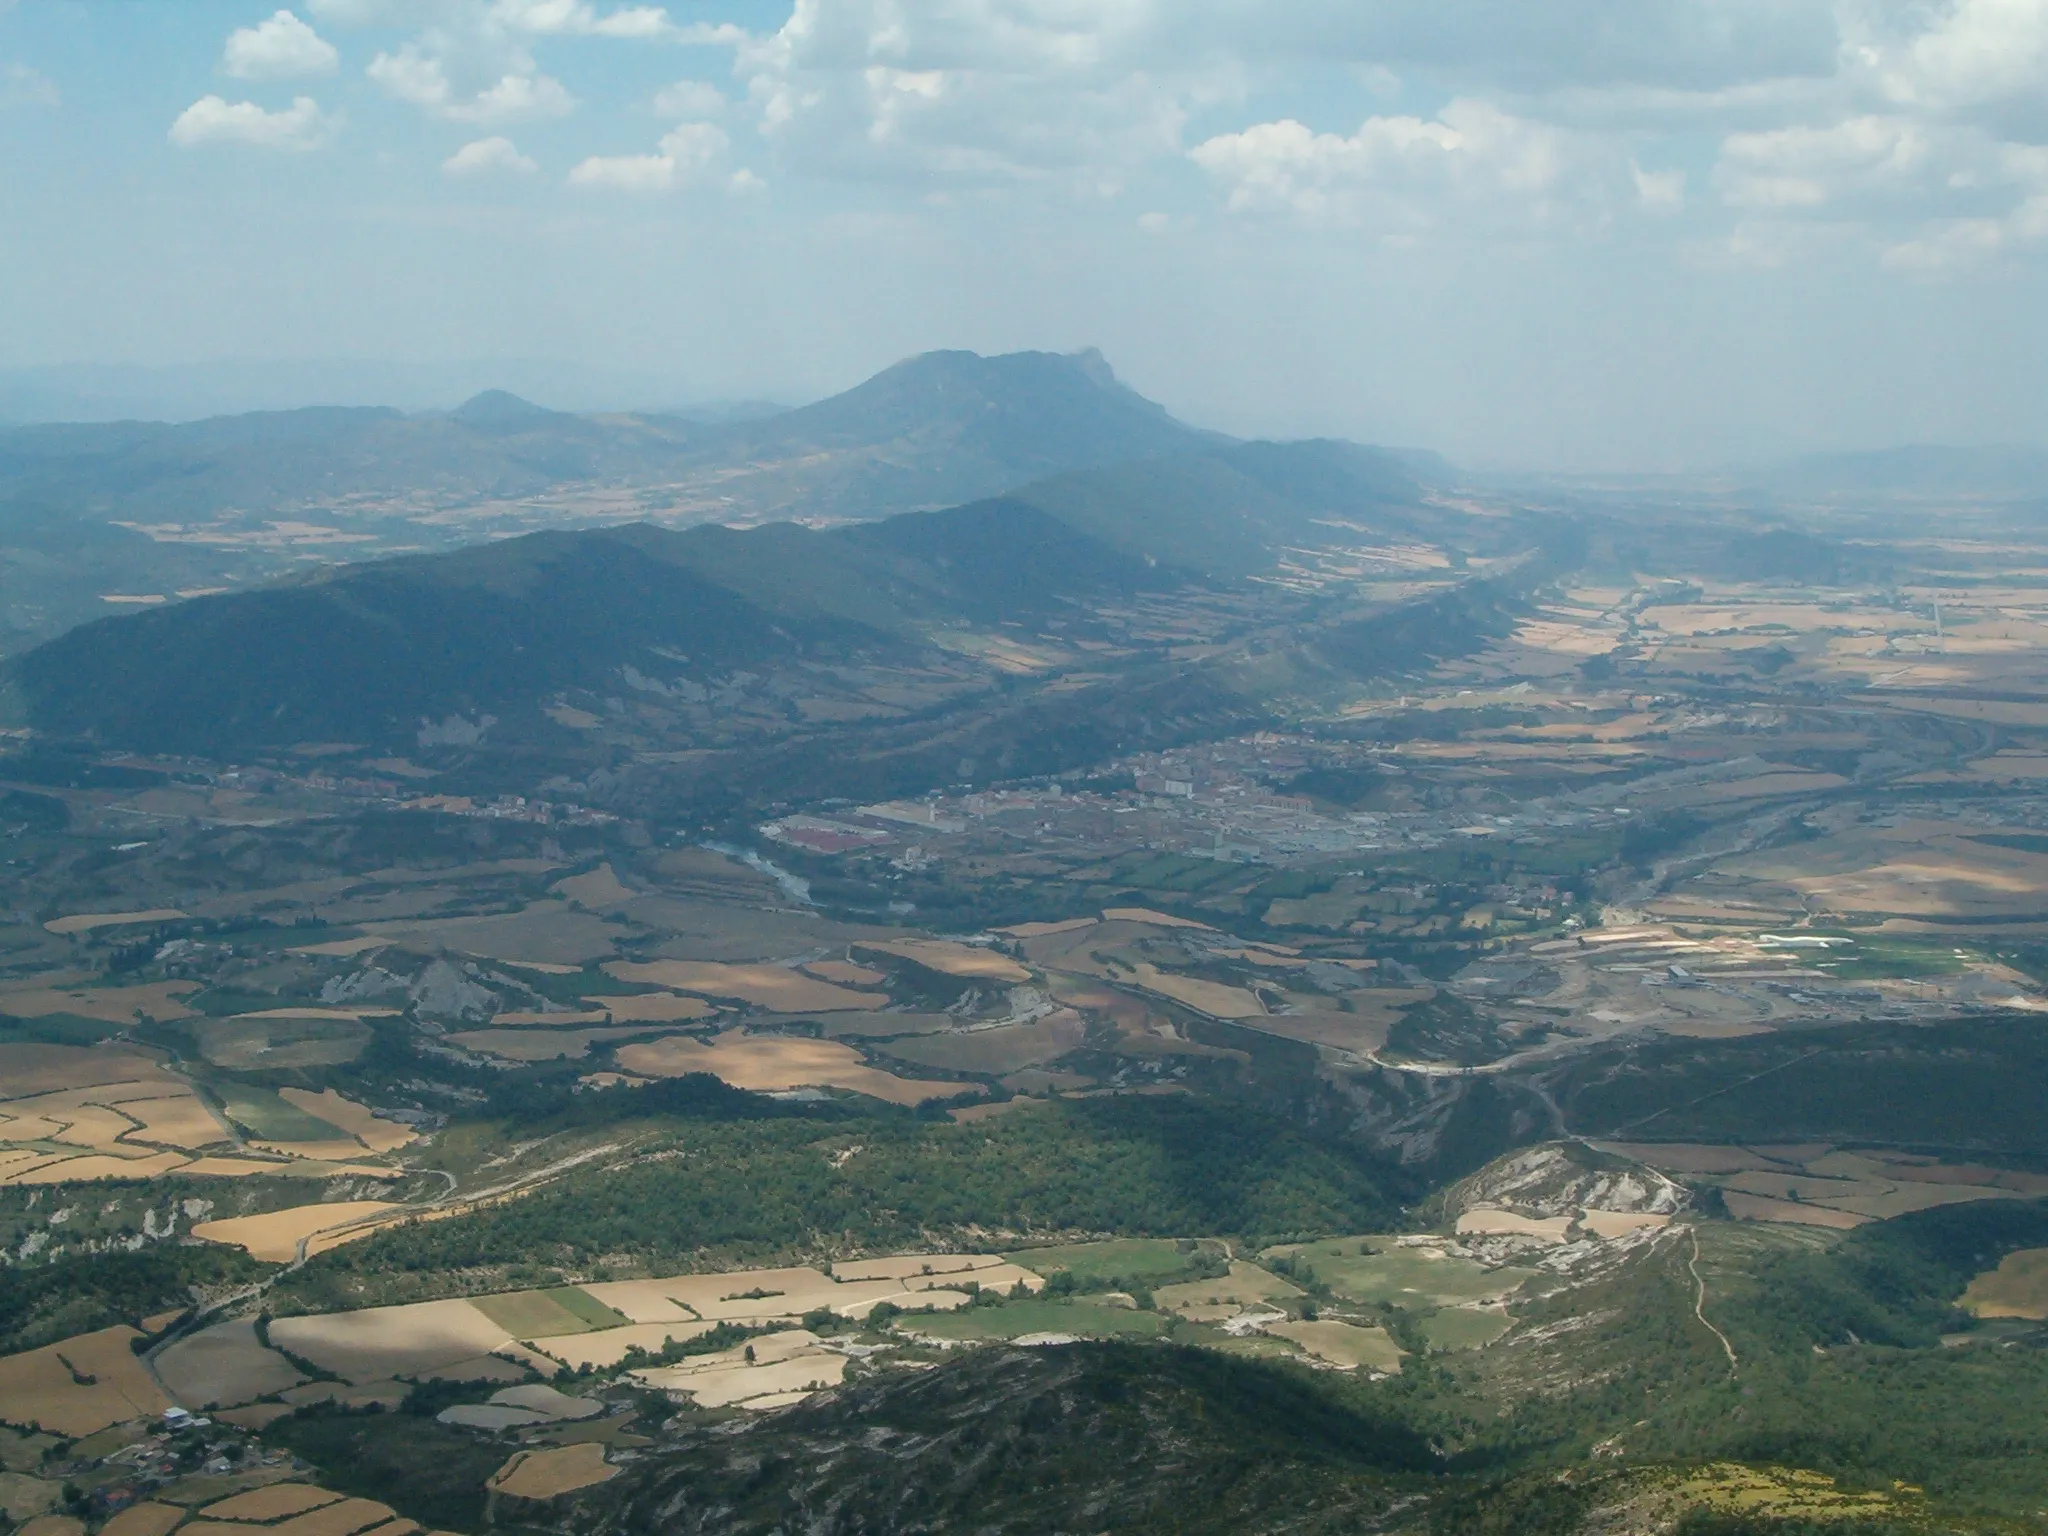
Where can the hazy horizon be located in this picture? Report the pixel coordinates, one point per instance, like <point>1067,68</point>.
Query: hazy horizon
<point>1585,236</point>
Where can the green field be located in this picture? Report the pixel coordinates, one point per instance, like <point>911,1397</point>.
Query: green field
<point>56,1029</point>
<point>268,1118</point>
<point>1017,1318</point>
<point>1373,1269</point>
<point>1879,959</point>
<point>1120,1262</point>
<point>1170,872</point>
<point>268,1044</point>
<point>1331,910</point>
<point>548,1314</point>
<point>1463,1328</point>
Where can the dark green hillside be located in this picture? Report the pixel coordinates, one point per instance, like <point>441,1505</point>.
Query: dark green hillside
<point>1326,476</point>
<point>367,653</point>
<point>1069,1438</point>
<point>55,565</point>
<point>1011,556</point>
<point>1971,1086</point>
<point>1149,1167</point>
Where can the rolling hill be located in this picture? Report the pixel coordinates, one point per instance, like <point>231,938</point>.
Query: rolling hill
<point>368,652</point>
<point>1066,1438</point>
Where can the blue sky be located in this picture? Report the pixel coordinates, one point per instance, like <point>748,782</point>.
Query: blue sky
<point>1559,233</point>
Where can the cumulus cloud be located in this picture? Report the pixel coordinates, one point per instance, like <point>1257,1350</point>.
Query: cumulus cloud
<point>278,49</point>
<point>923,90</point>
<point>1974,53</point>
<point>496,155</point>
<point>1805,167</point>
<point>471,61</point>
<point>514,99</point>
<point>689,99</point>
<point>1904,124</point>
<point>421,78</point>
<point>211,120</point>
<point>1658,191</point>
<point>1513,46</point>
<point>21,86</point>
<point>538,18</point>
<point>1395,165</point>
<point>692,154</point>
<point>1964,244</point>
<point>412,76</point>
<point>1933,195</point>
<point>581,19</point>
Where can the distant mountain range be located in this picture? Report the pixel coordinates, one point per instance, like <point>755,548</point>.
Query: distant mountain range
<point>236,386</point>
<point>935,430</point>
<point>366,653</point>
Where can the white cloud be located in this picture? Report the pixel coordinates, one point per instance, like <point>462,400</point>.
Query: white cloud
<point>485,157</point>
<point>21,86</point>
<point>690,98</point>
<point>420,78</point>
<point>578,18</point>
<point>927,91</point>
<point>1900,124</point>
<point>1393,167</point>
<point>1088,93</point>
<point>1933,196</point>
<point>1514,46</point>
<point>1805,167</point>
<point>626,173</point>
<point>1974,53</point>
<point>1658,191</point>
<point>515,99</point>
<point>278,49</point>
<point>411,76</point>
<point>210,120</point>
<point>691,154</point>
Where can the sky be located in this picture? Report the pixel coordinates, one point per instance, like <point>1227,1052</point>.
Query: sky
<point>1554,234</point>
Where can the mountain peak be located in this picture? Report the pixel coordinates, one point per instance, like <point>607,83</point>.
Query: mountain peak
<point>496,408</point>
<point>1032,413</point>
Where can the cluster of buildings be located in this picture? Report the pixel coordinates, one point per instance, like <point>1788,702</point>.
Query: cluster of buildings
<point>1215,801</point>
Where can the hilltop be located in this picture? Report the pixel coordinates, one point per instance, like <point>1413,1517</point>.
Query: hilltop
<point>939,428</point>
<point>375,651</point>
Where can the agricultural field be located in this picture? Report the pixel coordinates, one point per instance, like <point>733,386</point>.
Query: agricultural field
<point>1821,1185</point>
<point>547,1474</point>
<point>1603,1000</point>
<point>778,1063</point>
<point>78,1387</point>
<point>2017,1288</point>
<point>72,1113</point>
<point>1414,1274</point>
<point>1029,1320</point>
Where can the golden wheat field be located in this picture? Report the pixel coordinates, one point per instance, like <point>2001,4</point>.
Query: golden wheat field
<point>275,1235</point>
<point>545,1474</point>
<point>767,1063</point>
<point>80,1386</point>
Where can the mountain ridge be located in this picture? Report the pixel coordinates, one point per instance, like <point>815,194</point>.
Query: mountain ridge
<point>369,651</point>
<point>930,431</point>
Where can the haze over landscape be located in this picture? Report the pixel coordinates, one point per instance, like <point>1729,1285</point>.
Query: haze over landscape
<point>928,766</point>
<point>1581,235</point>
